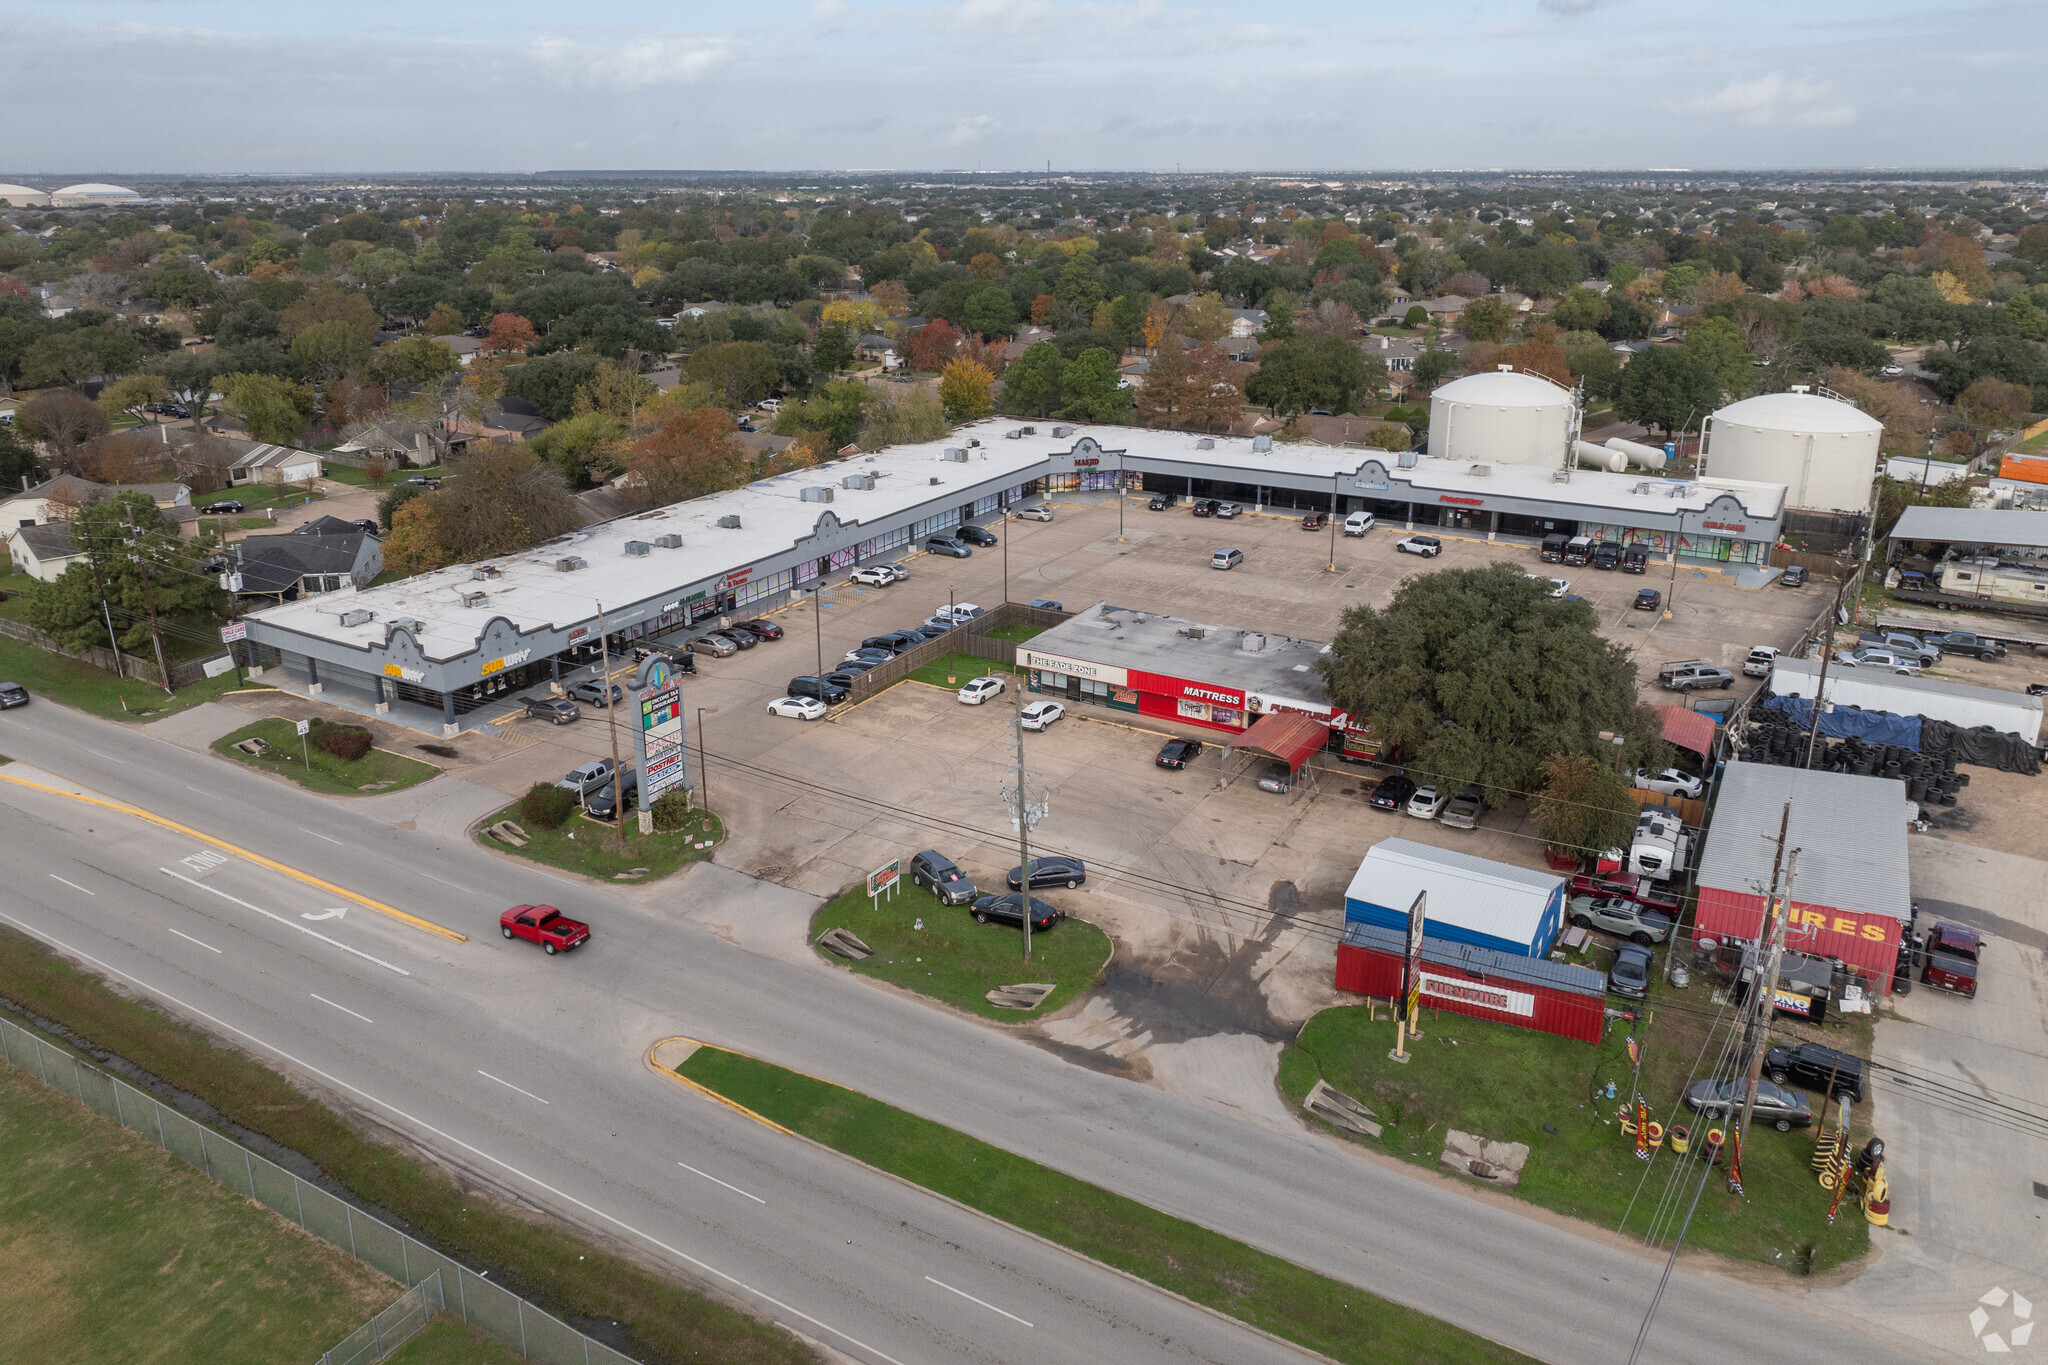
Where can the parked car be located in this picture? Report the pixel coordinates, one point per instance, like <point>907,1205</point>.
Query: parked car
<point>1793,577</point>
<point>1613,915</point>
<point>960,612</point>
<point>1041,714</point>
<point>1635,559</point>
<point>977,535</point>
<point>1648,599</point>
<point>1878,659</point>
<point>934,626</point>
<point>823,689</point>
<point>1226,558</point>
<point>1010,910</point>
<point>1607,555</point>
<point>1465,808</point>
<point>368,527</point>
<point>1783,1109</point>
<point>891,644</point>
<point>1429,547</point>
<point>979,690</point>
<point>1428,802</point>
<point>714,644</point>
<point>595,691</point>
<point>559,710</point>
<point>1276,777</point>
<point>873,576</point>
<point>760,630</point>
<point>1203,507</point>
<point>942,877</point>
<point>1693,677</point>
<point>1905,646</point>
<point>897,570</point>
<point>12,694</point>
<point>1178,753</point>
<point>1822,1070</point>
<point>585,778</point>
<point>545,925</point>
<point>1630,974</point>
<point>1162,501</point>
<point>1037,511</point>
<point>741,639</point>
<point>1667,782</point>
<point>602,804</point>
<point>1045,604</point>
<point>1226,510</point>
<point>1760,661</point>
<point>1952,953</point>
<point>223,506</point>
<point>1555,587</point>
<point>947,545</point>
<point>1969,645</point>
<point>1358,523</point>
<point>1054,870</point>
<point>1641,891</point>
<point>1393,792</point>
<point>1315,521</point>
<point>797,708</point>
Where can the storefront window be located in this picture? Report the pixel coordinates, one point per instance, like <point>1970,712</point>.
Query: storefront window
<point>1194,710</point>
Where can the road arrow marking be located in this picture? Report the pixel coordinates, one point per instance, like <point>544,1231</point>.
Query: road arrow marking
<point>336,913</point>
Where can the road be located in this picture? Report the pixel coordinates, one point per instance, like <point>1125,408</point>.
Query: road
<point>528,1072</point>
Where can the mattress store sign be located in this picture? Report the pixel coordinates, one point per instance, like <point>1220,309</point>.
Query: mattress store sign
<point>1465,991</point>
<point>1072,668</point>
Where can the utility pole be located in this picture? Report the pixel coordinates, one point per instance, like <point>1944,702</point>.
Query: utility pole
<point>1119,497</point>
<point>604,679</point>
<point>1765,988</point>
<point>1023,822</point>
<point>1827,653</point>
<point>818,622</point>
<point>1333,523</point>
<point>149,602</point>
<point>92,557</point>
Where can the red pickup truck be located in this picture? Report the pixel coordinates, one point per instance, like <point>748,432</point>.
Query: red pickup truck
<point>1952,959</point>
<point>545,925</point>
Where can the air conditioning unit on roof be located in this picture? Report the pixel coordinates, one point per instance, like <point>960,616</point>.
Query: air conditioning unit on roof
<point>1481,471</point>
<point>729,523</point>
<point>1206,443</point>
<point>816,493</point>
<point>485,571</point>
<point>1261,444</point>
<point>570,564</point>
<point>357,616</point>
<point>476,599</point>
<point>671,541</point>
<point>956,454</point>
<point>637,548</point>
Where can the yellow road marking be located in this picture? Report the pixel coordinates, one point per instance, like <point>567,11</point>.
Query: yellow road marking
<point>379,906</point>
<point>706,1091</point>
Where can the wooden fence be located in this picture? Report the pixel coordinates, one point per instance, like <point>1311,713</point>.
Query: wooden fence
<point>127,665</point>
<point>974,639</point>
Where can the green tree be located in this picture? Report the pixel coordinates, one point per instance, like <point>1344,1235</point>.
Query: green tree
<point>190,378</point>
<point>124,537</point>
<point>1433,367</point>
<point>507,500</point>
<point>1666,389</point>
<point>1310,372</point>
<point>1715,346</point>
<point>743,371</point>
<point>584,449</point>
<point>1487,318</point>
<point>964,390</point>
<point>839,410</point>
<point>1080,283</point>
<point>273,409</point>
<point>329,350</point>
<point>1088,388</point>
<point>1585,806</point>
<point>417,360</point>
<point>1580,310</point>
<point>1032,386</point>
<point>833,350</point>
<point>17,459</point>
<point>1279,317</point>
<point>1416,316</point>
<point>549,382</point>
<point>1480,676</point>
<point>992,312</point>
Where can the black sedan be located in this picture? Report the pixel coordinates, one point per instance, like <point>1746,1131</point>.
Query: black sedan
<point>1393,792</point>
<point>224,505</point>
<point>1177,753</point>
<point>1649,599</point>
<point>594,692</point>
<point>1161,501</point>
<point>1783,1109</point>
<point>975,535</point>
<point>761,630</point>
<point>1056,871</point>
<point>1010,910</point>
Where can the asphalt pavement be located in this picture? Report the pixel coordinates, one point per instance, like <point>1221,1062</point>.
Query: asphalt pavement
<point>528,1073</point>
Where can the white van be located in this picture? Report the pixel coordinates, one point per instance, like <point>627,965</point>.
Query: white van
<point>1358,523</point>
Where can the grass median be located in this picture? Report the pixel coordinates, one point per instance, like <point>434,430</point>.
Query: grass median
<point>579,845</point>
<point>77,683</point>
<point>375,772</point>
<point>951,958</point>
<point>1342,1321</point>
<point>569,1275</point>
<point>1518,1085</point>
<point>116,1250</point>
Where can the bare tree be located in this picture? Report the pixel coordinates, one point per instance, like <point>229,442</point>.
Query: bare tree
<point>63,420</point>
<point>1328,319</point>
<point>97,288</point>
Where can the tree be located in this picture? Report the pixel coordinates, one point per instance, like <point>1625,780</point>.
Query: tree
<point>273,409</point>
<point>1584,807</point>
<point>856,315</point>
<point>1205,318</point>
<point>1580,310</point>
<point>1279,317</point>
<point>1546,358</point>
<point>124,536</point>
<point>992,312</point>
<point>1330,318</point>
<point>190,377</point>
<point>688,455</point>
<point>412,543</point>
<point>134,394</point>
<point>833,350</point>
<point>1433,368</point>
<point>1416,316</point>
<point>1161,401</point>
<point>1031,387</point>
<point>509,332</point>
<point>1478,675</point>
<point>1907,421</point>
<point>62,419</point>
<point>1080,282</point>
<point>833,415</point>
<point>329,302</point>
<point>985,265</point>
<point>1990,405</point>
<point>1311,372</point>
<point>549,382</point>
<point>417,360</point>
<point>17,460</point>
<point>1088,388</point>
<point>742,372</point>
<point>1487,318</point>
<point>586,449</point>
<point>615,391</point>
<point>443,321</point>
<point>1215,389</point>
<point>933,346</point>
<point>964,390</point>
<point>1715,346</point>
<point>893,298</point>
<point>328,350</point>
<point>507,500</point>
<point>1666,389</point>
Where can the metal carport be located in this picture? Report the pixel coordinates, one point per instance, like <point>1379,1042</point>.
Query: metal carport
<point>1286,737</point>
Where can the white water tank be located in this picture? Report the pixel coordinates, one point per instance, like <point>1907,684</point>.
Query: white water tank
<point>1502,417</point>
<point>1822,449</point>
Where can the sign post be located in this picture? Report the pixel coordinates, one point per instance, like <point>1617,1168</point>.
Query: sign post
<point>1408,1009</point>
<point>305,728</point>
<point>888,877</point>
<point>230,633</point>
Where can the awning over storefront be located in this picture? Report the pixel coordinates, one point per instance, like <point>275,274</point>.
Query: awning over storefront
<point>1692,730</point>
<point>1287,736</point>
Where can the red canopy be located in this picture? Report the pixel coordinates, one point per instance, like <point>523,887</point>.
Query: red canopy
<point>1692,730</point>
<point>1286,735</point>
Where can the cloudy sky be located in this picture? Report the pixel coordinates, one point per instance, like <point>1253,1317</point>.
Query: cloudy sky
<point>155,86</point>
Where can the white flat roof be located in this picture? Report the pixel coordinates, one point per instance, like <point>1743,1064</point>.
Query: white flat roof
<point>1591,487</point>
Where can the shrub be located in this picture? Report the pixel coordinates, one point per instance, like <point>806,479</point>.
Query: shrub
<point>547,805</point>
<point>346,742</point>
<point>671,810</point>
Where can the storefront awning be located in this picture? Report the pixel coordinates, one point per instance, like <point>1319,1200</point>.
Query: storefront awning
<point>1287,736</point>
<point>1692,730</point>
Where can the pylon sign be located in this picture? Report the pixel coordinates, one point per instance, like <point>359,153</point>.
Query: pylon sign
<point>656,696</point>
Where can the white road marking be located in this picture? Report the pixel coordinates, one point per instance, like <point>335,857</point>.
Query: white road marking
<point>189,939</point>
<point>282,920</point>
<point>508,1085</point>
<point>336,913</point>
<point>343,1008</point>
<point>318,835</point>
<point>73,885</point>
<point>716,1181</point>
<point>448,1137</point>
<point>201,790</point>
<point>109,757</point>
<point>432,878</point>
<point>971,1299</point>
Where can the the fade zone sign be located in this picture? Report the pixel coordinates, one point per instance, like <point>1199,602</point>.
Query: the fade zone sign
<point>657,697</point>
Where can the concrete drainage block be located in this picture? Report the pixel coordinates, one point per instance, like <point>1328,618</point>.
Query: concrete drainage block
<point>1496,1163</point>
<point>253,746</point>
<point>1025,995</point>
<point>1338,1109</point>
<point>841,942</point>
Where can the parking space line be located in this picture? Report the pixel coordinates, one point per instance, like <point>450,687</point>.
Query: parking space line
<point>971,1299</point>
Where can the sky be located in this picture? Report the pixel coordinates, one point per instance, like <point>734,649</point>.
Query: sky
<point>304,86</point>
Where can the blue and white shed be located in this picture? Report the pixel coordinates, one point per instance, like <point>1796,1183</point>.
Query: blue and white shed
<point>1471,900</point>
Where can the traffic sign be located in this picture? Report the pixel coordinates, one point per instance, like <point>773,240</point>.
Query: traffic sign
<point>305,727</point>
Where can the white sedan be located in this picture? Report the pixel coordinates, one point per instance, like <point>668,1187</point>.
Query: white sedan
<point>875,576</point>
<point>1040,714</point>
<point>797,708</point>
<point>1429,802</point>
<point>1558,586</point>
<point>1670,782</point>
<point>979,690</point>
<point>1036,512</point>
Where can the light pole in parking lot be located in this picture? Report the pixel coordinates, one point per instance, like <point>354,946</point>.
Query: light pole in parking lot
<point>1119,506</point>
<point>1333,524</point>
<point>703,773</point>
<point>818,622</point>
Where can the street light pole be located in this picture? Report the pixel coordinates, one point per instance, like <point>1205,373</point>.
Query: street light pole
<point>1333,523</point>
<point>703,773</point>
<point>1119,513</point>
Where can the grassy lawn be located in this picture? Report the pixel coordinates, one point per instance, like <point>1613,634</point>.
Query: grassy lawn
<point>1016,633</point>
<point>341,473</point>
<point>255,497</point>
<point>119,1251</point>
<point>568,1275</point>
<point>77,683</point>
<point>960,667</point>
<point>958,961</point>
<point>2037,445</point>
<point>328,773</point>
<point>1340,1320</point>
<point>447,1341</point>
<point>578,846</point>
<point>1518,1085</point>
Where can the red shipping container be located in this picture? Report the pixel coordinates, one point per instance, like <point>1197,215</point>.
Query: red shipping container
<point>1550,997</point>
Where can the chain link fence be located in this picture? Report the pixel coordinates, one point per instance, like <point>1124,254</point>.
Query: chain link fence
<point>535,1334</point>
<point>392,1327</point>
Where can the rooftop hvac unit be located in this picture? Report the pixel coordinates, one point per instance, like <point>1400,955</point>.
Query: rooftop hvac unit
<point>1195,632</point>
<point>1206,443</point>
<point>817,492</point>
<point>357,617</point>
<point>1407,460</point>
<point>485,571</point>
<point>1059,432</point>
<point>1481,471</point>
<point>1014,434</point>
<point>1261,444</point>
<point>671,541</point>
<point>1560,476</point>
<point>1251,642</point>
<point>858,481</point>
<point>729,523</point>
<point>638,548</point>
<point>476,599</point>
<point>956,454</point>
<point>1642,489</point>
<point>973,441</point>
<point>408,623</point>
<point>935,481</point>
<point>570,564</point>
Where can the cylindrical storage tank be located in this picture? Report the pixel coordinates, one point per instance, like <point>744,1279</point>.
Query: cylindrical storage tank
<point>1599,457</point>
<point>1636,453</point>
<point>1502,417</point>
<point>1822,449</point>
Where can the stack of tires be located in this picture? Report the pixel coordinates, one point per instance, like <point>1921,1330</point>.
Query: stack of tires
<point>1931,778</point>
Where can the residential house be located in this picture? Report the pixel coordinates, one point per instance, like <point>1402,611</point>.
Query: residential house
<point>874,346</point>
<point>402,441</point>
<point>507,418</point>
<point>53,499</point>
<point>1397,353</point>
<point>700,310</point>
<point>269,466</point>
<point>1445,309</point>
<point>1248,322</point>
<point>466,348</point>
<point>44,551</point>
<point>325,555</point>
